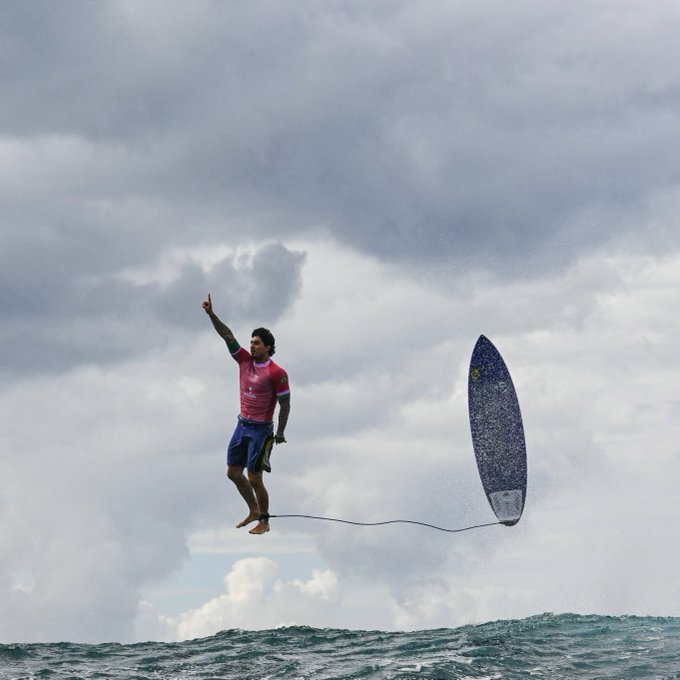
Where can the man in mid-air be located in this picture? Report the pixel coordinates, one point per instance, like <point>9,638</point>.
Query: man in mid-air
<point>262,384</point>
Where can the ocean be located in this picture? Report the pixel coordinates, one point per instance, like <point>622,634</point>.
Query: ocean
<point>547,646</point>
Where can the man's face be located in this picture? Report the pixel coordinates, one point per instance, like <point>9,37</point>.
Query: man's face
<point>258,350</point>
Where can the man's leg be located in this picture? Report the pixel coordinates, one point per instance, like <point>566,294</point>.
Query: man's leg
<point>262,498</point>
<point>235,473</point>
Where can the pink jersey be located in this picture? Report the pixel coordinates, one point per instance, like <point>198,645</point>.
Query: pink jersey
<point>260,385</point>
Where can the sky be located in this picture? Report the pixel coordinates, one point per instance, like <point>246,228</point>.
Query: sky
<point>378,183</point>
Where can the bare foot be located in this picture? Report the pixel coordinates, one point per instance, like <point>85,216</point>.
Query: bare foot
<point>251,518</point>
<point>261,528</point>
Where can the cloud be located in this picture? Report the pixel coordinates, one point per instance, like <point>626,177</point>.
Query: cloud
<point>94,503</point>
<point>54,320</point>
<point>420,132</point>
<point>252,586</point>
<point>595,389</point>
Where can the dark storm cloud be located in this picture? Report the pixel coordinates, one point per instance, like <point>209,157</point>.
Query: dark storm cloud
<point>66,319</point>
<point>511,138</point>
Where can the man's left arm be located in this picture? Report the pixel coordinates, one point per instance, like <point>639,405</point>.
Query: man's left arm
<point>284,412</point>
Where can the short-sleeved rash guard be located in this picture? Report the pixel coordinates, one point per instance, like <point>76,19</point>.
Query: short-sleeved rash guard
<point>260,385</point>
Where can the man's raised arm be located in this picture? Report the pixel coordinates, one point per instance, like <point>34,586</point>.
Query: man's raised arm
<point>222,329</point>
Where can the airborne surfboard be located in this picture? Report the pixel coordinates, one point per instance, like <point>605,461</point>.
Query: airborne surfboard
<point>497,432</point>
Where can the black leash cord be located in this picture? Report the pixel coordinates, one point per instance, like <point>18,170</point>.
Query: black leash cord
<point>377,524</point>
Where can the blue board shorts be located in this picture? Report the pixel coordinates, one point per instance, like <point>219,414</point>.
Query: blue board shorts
<point>251,445</point>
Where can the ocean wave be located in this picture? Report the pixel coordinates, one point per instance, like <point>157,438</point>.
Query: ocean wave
<point>545,646</point>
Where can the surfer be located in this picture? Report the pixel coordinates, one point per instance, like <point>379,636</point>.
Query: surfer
<point>262,384</point>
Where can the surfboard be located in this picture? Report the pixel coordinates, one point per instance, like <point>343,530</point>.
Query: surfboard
<point>497,432</point>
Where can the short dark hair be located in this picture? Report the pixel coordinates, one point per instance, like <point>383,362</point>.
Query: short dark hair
<point>267,339</point>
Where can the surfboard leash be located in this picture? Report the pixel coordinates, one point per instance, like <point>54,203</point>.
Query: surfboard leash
<point>377,524</point>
